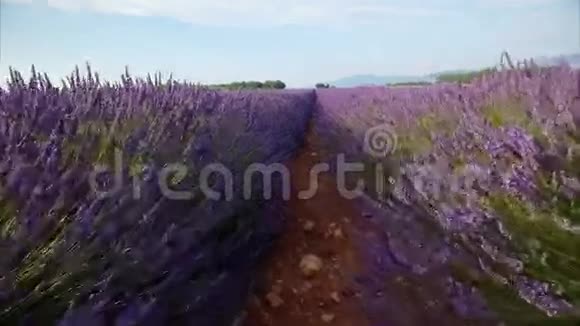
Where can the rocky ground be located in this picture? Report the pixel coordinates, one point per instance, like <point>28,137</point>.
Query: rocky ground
<point>325,270</point>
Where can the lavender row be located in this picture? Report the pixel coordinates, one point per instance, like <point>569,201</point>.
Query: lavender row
<point>71,255</point>
<point>483,176</point>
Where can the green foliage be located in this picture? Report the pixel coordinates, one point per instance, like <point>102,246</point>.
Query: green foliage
<point>51,286</point>
<point>512,113</point>
<point>543,233</point>
<point>8,222</point>
<point>403,84</point>
<point>250,85</point>
<point>563,205</point>
<point>463,77</point>
<point>505,113</point>
<point>550,252</point>
<point>505,302</point>
<point>416,139</point>
<point>438,123</point>
<point>410,145</point>
<point>275,84</point>
<point>322,85</point>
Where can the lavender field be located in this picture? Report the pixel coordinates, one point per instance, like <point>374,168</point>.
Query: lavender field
<point>484,199</point>
<point>481,211</point>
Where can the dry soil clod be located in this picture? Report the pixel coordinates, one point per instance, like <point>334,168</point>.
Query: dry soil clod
<point>310,265</point>
<point>327,318</point>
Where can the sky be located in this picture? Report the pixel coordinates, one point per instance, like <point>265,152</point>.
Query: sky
<point>300,42</point>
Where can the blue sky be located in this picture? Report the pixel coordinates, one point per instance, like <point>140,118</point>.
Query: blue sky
<point>300,42</point>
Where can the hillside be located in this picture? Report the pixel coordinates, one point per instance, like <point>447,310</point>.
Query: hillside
<point>369,79</point>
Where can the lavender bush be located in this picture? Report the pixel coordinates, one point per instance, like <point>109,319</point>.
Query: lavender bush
<point>482,208</point>
<point>484,186</point>
<point>70,256</point>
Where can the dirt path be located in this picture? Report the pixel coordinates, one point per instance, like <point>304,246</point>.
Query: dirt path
<point>319,227</point>
<point>350,288</point>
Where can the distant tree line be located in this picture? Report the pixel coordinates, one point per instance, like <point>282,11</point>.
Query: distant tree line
<point>417,83</point>
<point>323,85</point>
<point>268,84</point>
<point>463,77</point>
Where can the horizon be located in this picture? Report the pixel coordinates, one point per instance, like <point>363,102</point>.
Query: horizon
<point>300,43</point>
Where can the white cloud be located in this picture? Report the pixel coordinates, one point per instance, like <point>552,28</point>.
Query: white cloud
<point>516,4</point>
<point>396,11</point>
<point>252,12</point>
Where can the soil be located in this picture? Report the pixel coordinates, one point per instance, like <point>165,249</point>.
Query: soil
<point>319,226</point>
<point>347,290</point>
